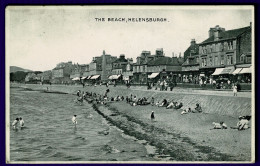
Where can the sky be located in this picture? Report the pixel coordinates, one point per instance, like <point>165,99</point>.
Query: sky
<point>39,37</point>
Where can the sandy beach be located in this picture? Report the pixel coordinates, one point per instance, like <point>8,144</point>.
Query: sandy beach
<point>177,137</point>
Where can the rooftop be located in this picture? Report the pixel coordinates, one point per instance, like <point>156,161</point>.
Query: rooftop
<point>227,34</point>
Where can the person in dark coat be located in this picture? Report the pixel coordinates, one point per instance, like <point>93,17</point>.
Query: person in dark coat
<point>152,115</point>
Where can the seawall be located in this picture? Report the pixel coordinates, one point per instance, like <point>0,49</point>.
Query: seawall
<point>213,104</point>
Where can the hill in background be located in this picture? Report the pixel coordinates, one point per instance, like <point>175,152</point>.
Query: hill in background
<point>14,69</point>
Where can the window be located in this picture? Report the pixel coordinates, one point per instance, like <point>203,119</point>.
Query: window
<point>242,58</point>
<point>210,61</point>
<point>204,50</point>
<point>230,45</point>
<point>197,59</point>
<point>216,61</point>
<point>211,48</point>
<point>203,62</point>
<point>221,47</point>
<point>248,59</point>
<point>222,60</point>
<point>229,59</point>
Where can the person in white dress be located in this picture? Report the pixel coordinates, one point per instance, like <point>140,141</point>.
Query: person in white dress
<point>74,120</point>
<point>234,90</point>
<point>21,122</point>
<point>15,123</point>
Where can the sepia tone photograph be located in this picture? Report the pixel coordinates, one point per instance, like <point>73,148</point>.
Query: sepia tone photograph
<point>130,84</point>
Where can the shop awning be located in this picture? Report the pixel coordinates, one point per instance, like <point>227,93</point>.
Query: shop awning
<point>94,77</point>
<point>218,71</point>
<point>153,75</point>
<point>246,70</point>
<point>237,71</point>
<point>76,78</point>
<point>114,77</point>
<point>228,70</point>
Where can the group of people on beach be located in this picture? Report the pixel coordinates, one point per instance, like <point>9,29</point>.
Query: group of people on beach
<point>242,124</point>
<point>18,121</point>
<point>168,104</point>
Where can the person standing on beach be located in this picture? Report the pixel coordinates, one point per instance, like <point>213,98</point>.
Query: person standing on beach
<point>74,120</point>
<point>235,89</point>
<point>152,115</point>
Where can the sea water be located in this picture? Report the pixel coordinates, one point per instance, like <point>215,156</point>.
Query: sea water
<point>49,134</point>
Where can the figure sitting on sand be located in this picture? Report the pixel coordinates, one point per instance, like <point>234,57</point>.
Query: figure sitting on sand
<point>243,123</point>
<point>220,125</point>
<point>170,105</point>
<point>164,103</point>
<point>80,100</point>
<point>197,109</point>
<point>178,105</point>
<point>78,93</point>
<point>118,98</point>
<point>185,111</point>
<point>157,103</point>
<point>134,101</point>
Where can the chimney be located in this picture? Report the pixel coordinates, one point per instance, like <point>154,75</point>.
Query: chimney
<point>211,32</point>
<point>193,42</point>
<point>172,54</point>
<point>122,56</point>
<point>250,24</point>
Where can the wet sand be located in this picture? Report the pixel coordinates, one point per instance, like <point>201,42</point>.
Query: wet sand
<point>181,137</point>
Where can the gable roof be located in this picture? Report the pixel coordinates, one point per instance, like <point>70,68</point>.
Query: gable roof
<point>227,34</point>
<point>164,61</point>
<point>119,60</point>
<point>194,49</point>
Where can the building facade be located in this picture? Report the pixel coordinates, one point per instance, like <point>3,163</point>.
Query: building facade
<point>225,50</point>
<point>61,73</point>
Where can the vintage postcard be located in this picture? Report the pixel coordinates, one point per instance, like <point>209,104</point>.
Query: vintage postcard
<point>130,84</point>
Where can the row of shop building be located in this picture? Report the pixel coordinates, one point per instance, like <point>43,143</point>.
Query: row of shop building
<point>223,55</point>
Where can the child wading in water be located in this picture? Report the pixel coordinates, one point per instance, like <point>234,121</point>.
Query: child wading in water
<point>74,121</point>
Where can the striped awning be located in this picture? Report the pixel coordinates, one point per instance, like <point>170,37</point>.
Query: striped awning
<point>153,75</point>
<point>94,77</point>
<point>114,77</point>
<point>246,70</point>
<point>237,71</point>
<point>228,70</point>
<point>218,71</point>
<point>76,78</point>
